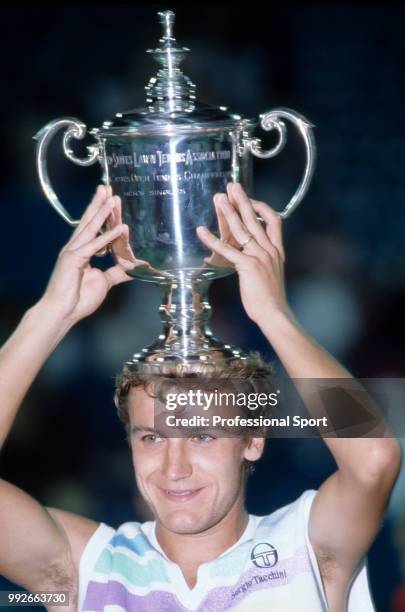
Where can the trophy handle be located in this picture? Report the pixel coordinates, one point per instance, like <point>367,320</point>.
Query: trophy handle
<point>272,120</point>
<point>75,129</point>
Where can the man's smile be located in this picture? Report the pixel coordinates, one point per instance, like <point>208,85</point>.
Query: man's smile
<point>180,495</point>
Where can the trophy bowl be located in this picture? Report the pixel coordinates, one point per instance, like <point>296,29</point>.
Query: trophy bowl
<point>166,161</point>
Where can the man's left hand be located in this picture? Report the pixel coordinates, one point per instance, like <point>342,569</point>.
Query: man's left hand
<point>259,258</point>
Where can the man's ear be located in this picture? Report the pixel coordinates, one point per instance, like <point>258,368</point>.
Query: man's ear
<point>254,449</point>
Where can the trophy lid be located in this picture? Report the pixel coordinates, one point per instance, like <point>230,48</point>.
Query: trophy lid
<point>171,103</point>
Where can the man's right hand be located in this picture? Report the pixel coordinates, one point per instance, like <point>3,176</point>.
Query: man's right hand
<point>76,289</point>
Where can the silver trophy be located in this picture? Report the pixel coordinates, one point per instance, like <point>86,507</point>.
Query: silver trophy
<point>166,161</point>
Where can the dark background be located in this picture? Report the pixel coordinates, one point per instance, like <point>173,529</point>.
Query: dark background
<point>340,65</point>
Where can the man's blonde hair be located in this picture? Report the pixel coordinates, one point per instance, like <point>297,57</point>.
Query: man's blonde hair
<point>251,369</point>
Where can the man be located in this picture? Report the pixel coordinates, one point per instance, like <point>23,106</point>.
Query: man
<point>203,552</point>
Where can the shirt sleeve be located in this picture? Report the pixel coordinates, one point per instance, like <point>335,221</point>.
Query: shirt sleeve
<point>359,599</point>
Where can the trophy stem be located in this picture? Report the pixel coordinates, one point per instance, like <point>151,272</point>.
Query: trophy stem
<point>186,336</point>
<point>185,314</point>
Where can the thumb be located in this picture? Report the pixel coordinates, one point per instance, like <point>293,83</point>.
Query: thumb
<point>116,275</point>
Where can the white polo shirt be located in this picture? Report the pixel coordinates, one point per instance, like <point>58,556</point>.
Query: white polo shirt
<point>271,567</point>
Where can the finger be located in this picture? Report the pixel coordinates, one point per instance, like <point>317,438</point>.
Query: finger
<point>86,251</point>
<point>115,217</point>
<point>116,275</point>
<point>95,224</point>
<point>223,226</point>
<point>218,246</point>
<point>122,248</point>
<point>238,229</point>
<point>274,225</point>
<point>118,209</point>
<point>244,205</point>
<point>135,263</point>
<point>101,194</point>
<point>224,229</point>
<point>217,261</point>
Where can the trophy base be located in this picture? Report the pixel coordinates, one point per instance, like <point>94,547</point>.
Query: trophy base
<point>164,358</point>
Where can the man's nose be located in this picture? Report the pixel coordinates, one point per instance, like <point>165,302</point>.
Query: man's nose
<point>176,460</point>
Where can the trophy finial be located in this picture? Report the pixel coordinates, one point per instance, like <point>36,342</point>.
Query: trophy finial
<point>167,20</point>
<point>170,90</point>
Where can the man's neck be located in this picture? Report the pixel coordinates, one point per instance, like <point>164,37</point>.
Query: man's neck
<point>189,551</point>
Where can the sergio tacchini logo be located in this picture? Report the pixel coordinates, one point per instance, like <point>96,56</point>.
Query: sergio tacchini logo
<point>264,555</point>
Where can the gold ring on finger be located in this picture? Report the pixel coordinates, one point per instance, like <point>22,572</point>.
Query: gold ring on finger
<point>245,242</point>
<point>104,251</point>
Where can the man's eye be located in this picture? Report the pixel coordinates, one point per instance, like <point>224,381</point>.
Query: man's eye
<point>151,438</point>
<point>203,438</point>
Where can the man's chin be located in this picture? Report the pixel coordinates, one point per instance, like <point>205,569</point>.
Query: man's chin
<point>184,522</point>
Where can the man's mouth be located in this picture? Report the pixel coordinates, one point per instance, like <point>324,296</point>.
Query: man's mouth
<point>180,496</point>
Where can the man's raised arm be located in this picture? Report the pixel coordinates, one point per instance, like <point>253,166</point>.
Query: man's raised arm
<point>39,547</point>
<point>349,507</point>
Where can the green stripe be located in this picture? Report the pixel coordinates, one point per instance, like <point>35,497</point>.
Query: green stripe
<point>138,575</point>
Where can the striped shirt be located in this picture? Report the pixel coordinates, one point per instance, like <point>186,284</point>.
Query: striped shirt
<point>271,567</point>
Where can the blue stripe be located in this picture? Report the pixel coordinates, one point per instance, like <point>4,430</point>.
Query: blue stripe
<point>138,544</point>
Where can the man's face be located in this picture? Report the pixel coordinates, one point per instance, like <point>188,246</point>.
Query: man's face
<point>190,484</point>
